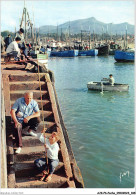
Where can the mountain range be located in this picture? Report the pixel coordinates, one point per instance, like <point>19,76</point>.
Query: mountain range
<point>89,24</point>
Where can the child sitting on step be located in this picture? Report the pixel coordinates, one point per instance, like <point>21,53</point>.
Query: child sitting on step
<point>52,161</point>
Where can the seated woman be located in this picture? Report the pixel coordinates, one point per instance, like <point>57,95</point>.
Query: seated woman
<point>52,149</point>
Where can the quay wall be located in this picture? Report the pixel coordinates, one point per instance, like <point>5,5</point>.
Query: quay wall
<point>3,145</point>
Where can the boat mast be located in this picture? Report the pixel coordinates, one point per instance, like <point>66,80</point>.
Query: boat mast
<point>94,36</point>
<point>111,32</point>
<point>61,35</point>
<point>57,33</point>
<point>126,37</point>
<point>89,38</point>
<point>48,33</point>
<point>34,33</point>
<point>25,18</point>
<point>81,37</point>
<point>102,34</point>
<point>25,15</point>
<point>69,33</point>
<point>107,33</point>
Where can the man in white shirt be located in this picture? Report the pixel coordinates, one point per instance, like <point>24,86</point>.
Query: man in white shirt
<point>52,149</point>
<point>13,48</point>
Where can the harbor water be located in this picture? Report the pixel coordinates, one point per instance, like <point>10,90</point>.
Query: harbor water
<point>100,126</point>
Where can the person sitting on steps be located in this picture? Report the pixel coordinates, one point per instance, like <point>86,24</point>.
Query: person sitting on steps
<point>52,149</point>
<point>13,49</point>
<point>25,112</point>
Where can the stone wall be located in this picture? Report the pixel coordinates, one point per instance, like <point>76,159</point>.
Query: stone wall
<point>3,145</point>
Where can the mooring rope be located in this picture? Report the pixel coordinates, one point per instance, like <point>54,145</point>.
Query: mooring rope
<point>44,126</point>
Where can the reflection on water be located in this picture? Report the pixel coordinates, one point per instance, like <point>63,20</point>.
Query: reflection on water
<point>124,64</point>
<point>100,126</point>
<point>110,96</point>
<point>76,90</point>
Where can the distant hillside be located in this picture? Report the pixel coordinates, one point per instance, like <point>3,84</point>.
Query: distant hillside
<point>88,24</point>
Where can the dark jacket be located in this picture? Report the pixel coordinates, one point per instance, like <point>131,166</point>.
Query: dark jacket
<point>8,40</point>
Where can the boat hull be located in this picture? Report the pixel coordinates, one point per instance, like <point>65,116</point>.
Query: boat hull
<point>107,87</point>
<point>91,52</point>
<point>124,56</point>
<point>103,50</point>
<point>67,53</point>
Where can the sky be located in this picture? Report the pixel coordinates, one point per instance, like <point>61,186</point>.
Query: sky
<point>58,12</point>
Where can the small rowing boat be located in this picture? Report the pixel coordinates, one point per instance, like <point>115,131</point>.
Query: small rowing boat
<point>100,86</point>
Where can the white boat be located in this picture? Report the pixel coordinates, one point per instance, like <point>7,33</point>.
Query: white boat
<point>100,86</point>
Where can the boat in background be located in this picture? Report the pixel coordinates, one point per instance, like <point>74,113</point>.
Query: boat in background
<point>66,53</point>
<point>100,86</point>
<point>124,56</point>
<point>113,47</point>
<point>90,52</point>
<point>103,50</point>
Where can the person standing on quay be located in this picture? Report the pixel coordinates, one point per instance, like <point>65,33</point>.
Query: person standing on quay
<point>7,41</point>
<point>25,112</point>
<point>22,44</point>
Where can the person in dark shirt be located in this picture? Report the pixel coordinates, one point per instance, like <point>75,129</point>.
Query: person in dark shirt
<point>7,41</point>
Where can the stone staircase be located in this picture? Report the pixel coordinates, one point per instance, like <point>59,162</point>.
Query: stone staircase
<point>25,173</point>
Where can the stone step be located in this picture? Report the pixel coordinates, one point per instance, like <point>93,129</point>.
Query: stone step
<point>13,67</point>
<point>31,182</point>
<point>48,115</point>
<point>51,126</point>
<point>27,77</point>
<point>45,103</point>
<point>27,85</point>
<point>28,169</point>
<point>29,141</point>
<point>32,153</point>
<point>14,95</point>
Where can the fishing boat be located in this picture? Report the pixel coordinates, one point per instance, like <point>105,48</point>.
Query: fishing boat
<point>124,56</point>
<point>100,86</point>
<point>103,50</point>
<point>21,172</point>
<point>91,52</point>
<point>113,47</point>
<point>66,53</point>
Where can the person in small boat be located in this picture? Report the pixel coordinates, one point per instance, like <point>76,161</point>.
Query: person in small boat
<point>22,44</point>
<point>25,112</point>
<point>52,149</point>
<point>13,49</point>
<point>111,79</point>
